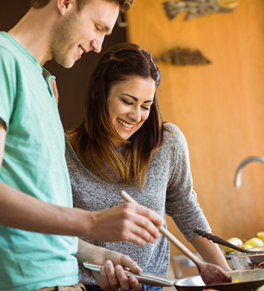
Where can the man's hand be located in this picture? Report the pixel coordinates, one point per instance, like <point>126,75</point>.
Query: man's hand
<point>112,275</point>
<point>125,222</point>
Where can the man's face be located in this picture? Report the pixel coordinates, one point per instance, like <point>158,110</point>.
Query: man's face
<point>79,32</point>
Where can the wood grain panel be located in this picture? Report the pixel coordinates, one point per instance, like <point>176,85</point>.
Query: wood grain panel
<point>219,107</point>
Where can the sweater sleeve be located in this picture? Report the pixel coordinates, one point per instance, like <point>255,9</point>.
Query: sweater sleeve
<point>181,199</point>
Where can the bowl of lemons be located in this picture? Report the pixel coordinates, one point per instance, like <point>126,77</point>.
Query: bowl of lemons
<point>253,258</point>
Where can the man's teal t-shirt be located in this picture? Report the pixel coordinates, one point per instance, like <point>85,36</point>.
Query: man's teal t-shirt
<point>34,163</point>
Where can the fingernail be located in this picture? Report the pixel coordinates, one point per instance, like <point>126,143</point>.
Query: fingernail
<point>108,262</point>
<point>118,267</point>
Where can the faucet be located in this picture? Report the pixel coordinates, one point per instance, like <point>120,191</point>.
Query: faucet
<point>238,175</point>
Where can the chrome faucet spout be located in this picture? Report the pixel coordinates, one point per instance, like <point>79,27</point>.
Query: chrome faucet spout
<point>238,175</point>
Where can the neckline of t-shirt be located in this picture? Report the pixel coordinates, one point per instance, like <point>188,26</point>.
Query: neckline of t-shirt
<point>22,49</point>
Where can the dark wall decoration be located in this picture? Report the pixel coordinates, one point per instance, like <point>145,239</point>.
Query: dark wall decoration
<point>183,56</point>
<point>195,8</point>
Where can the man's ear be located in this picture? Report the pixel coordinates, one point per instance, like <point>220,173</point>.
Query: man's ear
<point>65,5</point>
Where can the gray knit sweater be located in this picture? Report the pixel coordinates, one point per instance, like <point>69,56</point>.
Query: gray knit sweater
<point>168,190</point>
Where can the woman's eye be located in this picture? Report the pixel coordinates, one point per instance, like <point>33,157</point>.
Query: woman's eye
<point>98,28</point>
<point>145,108</point>
<point>126,102</point>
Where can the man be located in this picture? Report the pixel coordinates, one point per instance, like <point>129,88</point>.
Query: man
<point>38,226</point>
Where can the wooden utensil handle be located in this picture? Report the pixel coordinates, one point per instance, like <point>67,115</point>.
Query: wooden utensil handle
<point>166,233</point>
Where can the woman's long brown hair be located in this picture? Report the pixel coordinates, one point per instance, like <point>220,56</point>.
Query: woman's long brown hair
<point>92,139</point>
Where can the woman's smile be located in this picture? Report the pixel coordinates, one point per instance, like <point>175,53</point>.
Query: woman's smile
<point>125,124</point>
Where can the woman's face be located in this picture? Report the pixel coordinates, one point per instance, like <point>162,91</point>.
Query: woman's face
<point>129,104</point>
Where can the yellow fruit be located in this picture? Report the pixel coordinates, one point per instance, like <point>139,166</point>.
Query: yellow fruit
<point>254,242</point>
<point>260,235</point>
<point>235,241</point>
<point>246,247</point>
<point>261,288</point>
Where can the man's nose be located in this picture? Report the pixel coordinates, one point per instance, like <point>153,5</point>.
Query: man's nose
<point>97,44</point>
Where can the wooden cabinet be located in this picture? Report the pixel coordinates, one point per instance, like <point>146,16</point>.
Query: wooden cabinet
<point>219,107</point>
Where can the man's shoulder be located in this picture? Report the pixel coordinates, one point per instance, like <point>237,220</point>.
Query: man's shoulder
<point>7,49</point>
<point>4,40</point>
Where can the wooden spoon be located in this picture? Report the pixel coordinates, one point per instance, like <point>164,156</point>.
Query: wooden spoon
<point>210,273</point>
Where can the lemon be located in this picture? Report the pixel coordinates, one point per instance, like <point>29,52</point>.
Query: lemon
<point>261,288</point>
<point>246,247</point>
<point>260,235</point>
<point>254,242</point>
<point>235,241</point>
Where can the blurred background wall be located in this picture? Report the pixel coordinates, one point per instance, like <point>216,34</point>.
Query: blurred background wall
<point>219,106</point>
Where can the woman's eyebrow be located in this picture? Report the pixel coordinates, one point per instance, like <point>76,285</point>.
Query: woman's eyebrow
<point>128,95</point>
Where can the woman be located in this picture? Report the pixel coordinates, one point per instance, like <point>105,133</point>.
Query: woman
<point>123,144</point>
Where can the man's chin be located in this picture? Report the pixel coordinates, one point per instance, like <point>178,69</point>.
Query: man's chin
<point>67,64</point>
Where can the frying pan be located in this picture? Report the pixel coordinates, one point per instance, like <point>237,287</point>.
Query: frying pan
<point>247,280</point>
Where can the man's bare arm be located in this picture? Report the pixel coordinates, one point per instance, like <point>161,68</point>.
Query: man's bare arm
<point>127,222</point>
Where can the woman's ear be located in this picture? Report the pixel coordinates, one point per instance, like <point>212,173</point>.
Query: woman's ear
<point>65,5</point>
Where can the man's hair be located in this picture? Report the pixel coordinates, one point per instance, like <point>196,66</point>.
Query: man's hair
<point>124,4</point>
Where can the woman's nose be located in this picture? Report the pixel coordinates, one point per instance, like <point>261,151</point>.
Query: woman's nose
<point>135,114</point>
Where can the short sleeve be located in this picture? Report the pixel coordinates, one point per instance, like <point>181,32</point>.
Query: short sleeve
<point>8,84</point>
